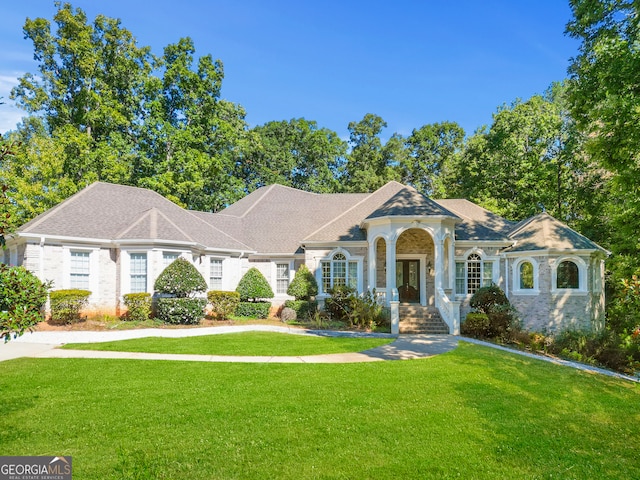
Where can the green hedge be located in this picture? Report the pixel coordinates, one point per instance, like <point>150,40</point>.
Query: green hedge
<point>476,325</point>
<point>138,306</point>
<point>253,309</point>
<point>223,303</point>
<point>304,309</point>
<point>66,306</point>
<point>180,311</point>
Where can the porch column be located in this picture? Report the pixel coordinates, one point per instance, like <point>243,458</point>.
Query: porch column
<point>372,266</point>
<point>439,263</point>
<point>391,268</point>
<point>452,267</point>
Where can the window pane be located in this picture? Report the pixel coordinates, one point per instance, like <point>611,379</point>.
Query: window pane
<point>168,258</point>
<point>80,270</point>
<point>487,273</point>
<point>353,275</point>
<point>326,276</point>
<point>526,276</point>
<point>568,275</point>
<point>138,272</point>
<point>473,273</point>
<point>460,278</point>
<point>215,274</point>
<point>339,273</point>
<point>282,278</point>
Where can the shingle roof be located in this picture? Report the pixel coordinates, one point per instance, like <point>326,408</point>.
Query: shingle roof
<point>542,232</point>
<point>409,202</point>
<point>107,211</point>
<point>477,222</point>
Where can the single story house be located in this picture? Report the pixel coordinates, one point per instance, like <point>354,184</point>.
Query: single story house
<point>424,258</point>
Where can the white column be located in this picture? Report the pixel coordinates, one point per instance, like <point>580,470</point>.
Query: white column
<point>439,263</point>
<point>391,268</point>
<point>372,266</point>
<point>452,266</point>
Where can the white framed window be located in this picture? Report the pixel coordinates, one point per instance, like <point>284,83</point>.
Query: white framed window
<point>168,258</point>
<point>525,276</point>
<point>282,278</point>
<point>569,275</point>
<point>339,271</point>
<point>138,272</point>
<point>215,274</point>
<point>80,269</point>
<point>472,273</point>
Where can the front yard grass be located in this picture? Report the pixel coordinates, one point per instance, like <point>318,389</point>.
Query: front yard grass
<point>473,413</point>
<point>244,343</point>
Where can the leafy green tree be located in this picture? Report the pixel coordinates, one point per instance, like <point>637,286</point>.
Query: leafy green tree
<point>295,153</point>
<point>253,286</point>
<point>370,164</point>
<point>431,150</point>
<point>180,279</point>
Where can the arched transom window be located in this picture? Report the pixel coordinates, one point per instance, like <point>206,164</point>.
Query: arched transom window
<point>339,271</point>
<point>473,274</point>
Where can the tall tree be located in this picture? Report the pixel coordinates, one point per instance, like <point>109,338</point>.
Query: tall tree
<point>431,151</point>
<point>604,99</point>
<point>296,153</point>
<point>370,164</point>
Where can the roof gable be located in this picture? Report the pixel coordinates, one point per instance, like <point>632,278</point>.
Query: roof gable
<point>409,202</point>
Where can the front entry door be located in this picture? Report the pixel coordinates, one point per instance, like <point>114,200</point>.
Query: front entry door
<point>408,280</point>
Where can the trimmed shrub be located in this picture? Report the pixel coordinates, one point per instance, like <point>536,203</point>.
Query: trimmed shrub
<point>304,309</point>
<point>138,306</point>
<point>288,315</point>
<point>304,285</point>
<point>253,286</point>
<point>253,309</point>
<point>476,324</point>
<point>66,306</point>
<point>22,296</point>
<point>180,279</point>
<point>180,310</point>
<point>486,298</point>
<point>360,311</point>
<point>223,304</point>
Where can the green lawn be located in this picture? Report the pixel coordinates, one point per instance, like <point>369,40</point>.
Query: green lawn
<point>244,343</point>
<point>473,413</point>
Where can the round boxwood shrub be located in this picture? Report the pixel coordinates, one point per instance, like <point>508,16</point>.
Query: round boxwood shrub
<point>304,285</point>
<point>180,279</point>
<point>22,296</point>
<point>67,305</point>
<point>223,304</point>
<point>487,298</point>
<point>253,286</point>
<point>180,310</point>
<point>138,306</point>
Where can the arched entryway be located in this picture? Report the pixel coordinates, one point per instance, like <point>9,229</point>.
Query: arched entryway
<point>414,267</point>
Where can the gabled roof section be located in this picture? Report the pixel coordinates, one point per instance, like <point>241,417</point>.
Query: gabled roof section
<point>477,223</point>
<point>409,202</point>
<point>112,212</point>
<point>543,232</point>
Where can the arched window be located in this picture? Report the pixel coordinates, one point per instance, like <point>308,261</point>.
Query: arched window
<point>339,271</point>
<point>526,276</point>
<point>473,274</point>
<point>568,275</point>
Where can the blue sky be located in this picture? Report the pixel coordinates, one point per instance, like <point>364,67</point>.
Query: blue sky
<point>411,62</point>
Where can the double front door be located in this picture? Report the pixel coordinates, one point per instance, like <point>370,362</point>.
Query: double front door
<point>408,280</point>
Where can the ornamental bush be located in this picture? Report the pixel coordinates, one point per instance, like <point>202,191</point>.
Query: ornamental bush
<point>486,298</point>
<point>22,296</point>
<point>138,306</point>
<point>304,309</point>
<point>476,325</point>
<point>223,304</point>
<point>67,305</point>
<point>253,309</point>
<point>253,286</point>
<point>180,279</point>
<point>180,310</point>
<point>304,285</point>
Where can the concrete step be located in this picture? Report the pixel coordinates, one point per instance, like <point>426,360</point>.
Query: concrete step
<point>416,319</point>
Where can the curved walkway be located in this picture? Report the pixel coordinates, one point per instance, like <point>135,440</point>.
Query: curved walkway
<point>44,345</point>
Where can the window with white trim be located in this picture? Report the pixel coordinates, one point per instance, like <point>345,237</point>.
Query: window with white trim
<point>282,278</point>
<point>168,258</point>
<point>567,275</point>
<point>339,272</point>
<point>79,271</point>
<point>473,274</point>
<point>215,274</point>
<point>138,272</point>
<point>525,275</point>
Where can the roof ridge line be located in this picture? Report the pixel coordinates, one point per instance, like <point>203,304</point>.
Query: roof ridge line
<point>267,191</point>
<point>190,212</point>
<point>63,204</point>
